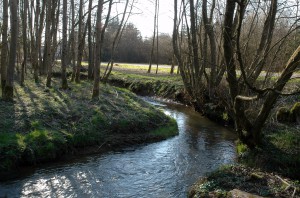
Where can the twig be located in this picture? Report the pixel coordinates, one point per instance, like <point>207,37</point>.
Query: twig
<point>288,185</point>
<point>102,145</point>
<point>294,192</point>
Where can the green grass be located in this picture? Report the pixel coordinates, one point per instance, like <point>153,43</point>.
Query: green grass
<point>167,131</point>
<point>44,124</point>
<point>144,68</point>
<point>241,148</point>
<point>278,153</point>
<point>148,84</point>
<point>220,182</point>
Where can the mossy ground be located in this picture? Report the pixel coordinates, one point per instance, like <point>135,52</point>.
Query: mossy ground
<point>221,182</point>
<point>263,171</point>
<point>44,124</point>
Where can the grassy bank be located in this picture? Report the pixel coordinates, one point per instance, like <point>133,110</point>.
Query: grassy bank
<point>167,86</point>
<point>271,170</point>
<point>243,181</point>
<point>43,125</point>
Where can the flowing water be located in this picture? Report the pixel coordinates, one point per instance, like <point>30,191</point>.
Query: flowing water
<point>163,169</point>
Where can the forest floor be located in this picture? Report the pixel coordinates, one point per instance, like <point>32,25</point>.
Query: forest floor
<point>270,171</point>
<point>49,124</point>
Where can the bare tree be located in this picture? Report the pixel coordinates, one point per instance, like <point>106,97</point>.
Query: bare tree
<point>227,43</point>
<point>250,131</point>
<point>154,35</point>
<point>115,42</point>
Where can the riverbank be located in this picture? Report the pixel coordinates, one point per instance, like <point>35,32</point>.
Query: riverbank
<point>44,125</point>
<point>277,157</point>
<point>243,181</point>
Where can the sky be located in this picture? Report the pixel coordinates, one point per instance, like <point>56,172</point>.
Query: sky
<point>143,17</point>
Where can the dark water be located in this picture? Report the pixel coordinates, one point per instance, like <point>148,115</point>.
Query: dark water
<point>163,169</point>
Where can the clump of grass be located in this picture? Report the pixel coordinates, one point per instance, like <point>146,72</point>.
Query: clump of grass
<point>241,148</point>
<point>45,144</point>
<point>171,129</point>
<point>11,147</point>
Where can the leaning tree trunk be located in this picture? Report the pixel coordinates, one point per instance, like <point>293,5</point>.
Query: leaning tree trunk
<point>241,122</point>
<point>115,43</point>
<point>250,133</point>
<point>9,86</point>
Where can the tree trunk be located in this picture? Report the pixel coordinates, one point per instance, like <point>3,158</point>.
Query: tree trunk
<point>114,44</point>
<point>40,29</point>
<point>72,42</point>
<point>4,48</point>
<point>96,88</point>
<point>64,82</point>
<point>34,40</point>
<point>173,65</point>
<point>90,42</point>
<point>80,42</point>
<point>24,25</point>
<point>208,26</point>
<point>53,36</point>
<point>157,14</point>
<point>9,86</point>
<point>154,36</point>
<point>194,40</point>
<point>48,41</point>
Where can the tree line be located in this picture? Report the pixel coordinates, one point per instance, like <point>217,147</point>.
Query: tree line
<point>36,33</point>
<point>228,51</point>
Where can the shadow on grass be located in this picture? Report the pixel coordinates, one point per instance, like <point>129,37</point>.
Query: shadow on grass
<point>279,154</point>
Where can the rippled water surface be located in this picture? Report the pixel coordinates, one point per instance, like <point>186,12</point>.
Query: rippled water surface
<point>163,169</point>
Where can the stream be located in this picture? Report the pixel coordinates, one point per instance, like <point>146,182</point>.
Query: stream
<point>163,169</point>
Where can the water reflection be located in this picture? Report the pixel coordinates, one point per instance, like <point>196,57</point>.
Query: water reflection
<point>163,169</point>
